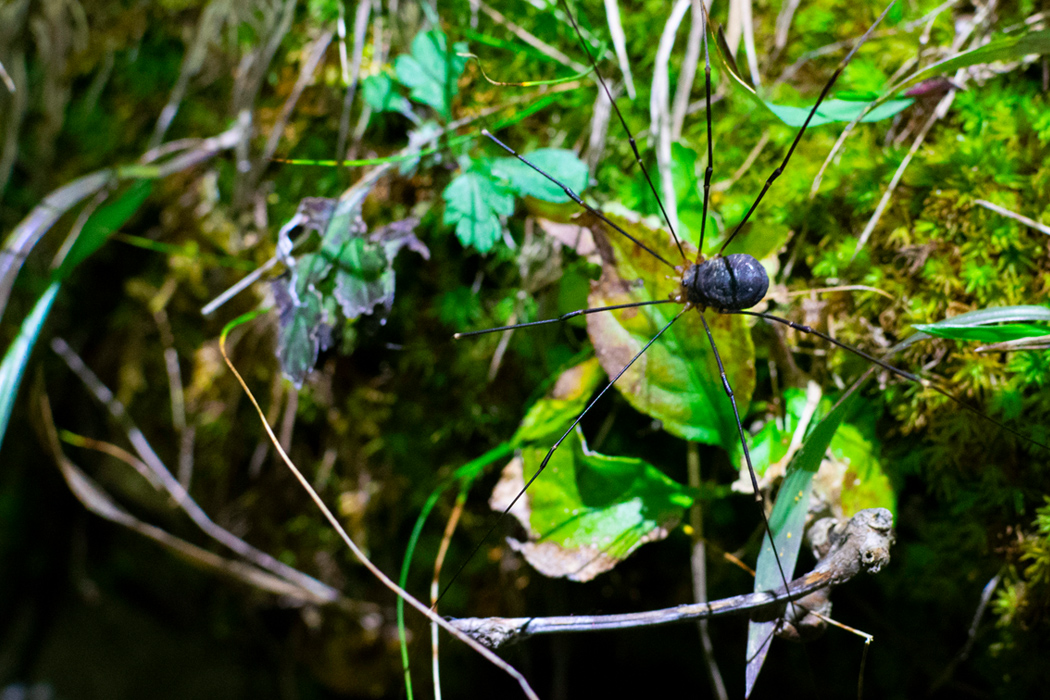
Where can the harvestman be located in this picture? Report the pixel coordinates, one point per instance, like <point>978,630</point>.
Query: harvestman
<point>726,284</point>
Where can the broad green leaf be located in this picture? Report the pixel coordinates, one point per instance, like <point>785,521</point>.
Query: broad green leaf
<point>770,444</point>
<point>856,476</point>
<point>475,203</point>
<point>102,223</point>
<point>14,363</point>
<point>351,274</point>
<point>362,258</point>
<point>364,272</point>
<point>587,511</point>
<point>983,334</point>
<point>560,163</point>
<point>552,415</point>
<point>430,71</point>
<point>676,381</point>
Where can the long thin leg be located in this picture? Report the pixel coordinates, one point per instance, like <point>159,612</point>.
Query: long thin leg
<point>563,317</point>
<point>743,443</point>
<point>798,137</point>
<point>926,383</point>
<point>623,123</point>
<point>550,452</point>
<point>575,197</point>
<point>710,139</point>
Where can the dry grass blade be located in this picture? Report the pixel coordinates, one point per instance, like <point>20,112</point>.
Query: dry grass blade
<point>1042,228</point>
<point>359,554</point>
<point>172,487</point>
<point>660,110</point>
<point>612,13</point>
<point>96,500</point>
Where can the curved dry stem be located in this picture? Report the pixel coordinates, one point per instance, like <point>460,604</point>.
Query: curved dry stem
<point>360,555</point>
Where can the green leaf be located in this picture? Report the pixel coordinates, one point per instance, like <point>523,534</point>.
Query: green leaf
<point>1000,314</point>
<point>835,110</point>
<point>560,163</point>
<point>772,441</point>
<point>983,334</point>
<point>14,364</point>
<point>551,416</point>
<point>588,511</point>
<point>858,480</point>
<point>379,93</point>
<point>676,381</point>
<point>302,330</point>
<point>838,111</point>
<point>430,71</point>
<point>103,223</point>
<point>1003,49</point>
<point>475,203</point>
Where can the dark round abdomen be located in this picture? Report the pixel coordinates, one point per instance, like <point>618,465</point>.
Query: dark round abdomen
<point>730,283</point>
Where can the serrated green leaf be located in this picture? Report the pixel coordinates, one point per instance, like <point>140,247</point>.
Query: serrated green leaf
<point>589,511</point>
<point>430,71</point>
<point>474,203</point>
<point>560,163</point>
<point>301,332</point>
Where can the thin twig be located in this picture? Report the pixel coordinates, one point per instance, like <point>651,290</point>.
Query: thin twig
<point>8,82</point>
<point>306,74</point>
<point>756,151</point>
<point>96,500</point>
<point>971,635</point>
<point>783,25</point>
<point>747,26</point>
<point>360,34</point>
